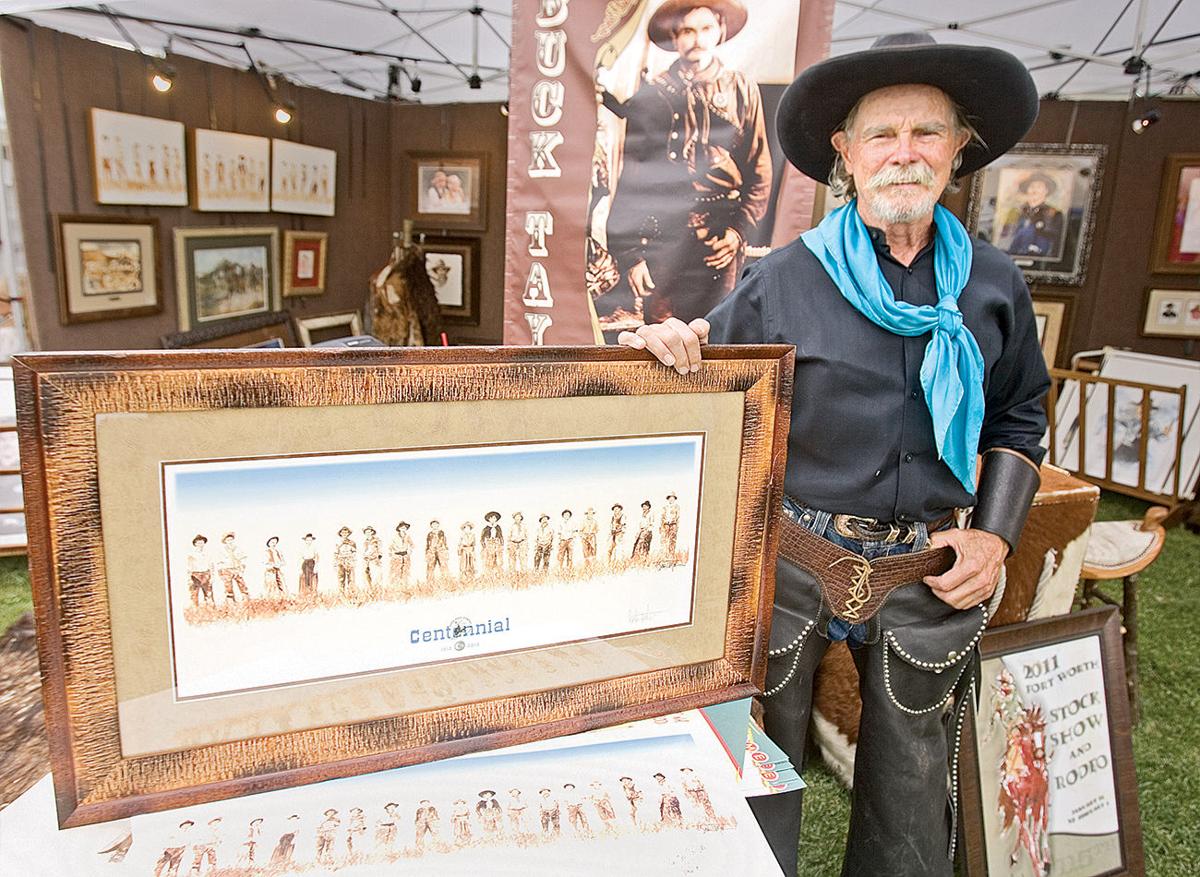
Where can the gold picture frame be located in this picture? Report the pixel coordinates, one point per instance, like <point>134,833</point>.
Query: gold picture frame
<point>304,256</point>
<point>109,267</point>
<point>110,441</point>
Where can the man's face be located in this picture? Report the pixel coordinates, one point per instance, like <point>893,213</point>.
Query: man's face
<point>439,181</point>
<point>900,151</point>
<point>1036,192</point>
<point>697,36</point>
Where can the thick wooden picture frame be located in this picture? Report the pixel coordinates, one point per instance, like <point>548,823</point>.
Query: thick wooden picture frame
<point>454,262</point>
<point>1177,212</point>
<point>430,208</point>
<point>304,279</point>
<point>1061,631</point>
<point>349,321</point>
<point>233,239</point>
<point>239,332</point>
<point>90,428</point>
<point>73,297</point>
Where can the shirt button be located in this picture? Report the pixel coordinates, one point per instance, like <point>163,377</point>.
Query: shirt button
<point>672,156</point>
<point>878,472</point>
<point>914,394</point>
<point>909,270</point>
<point>675,136</point>
<point>908,458</point>
<point>675,116</point>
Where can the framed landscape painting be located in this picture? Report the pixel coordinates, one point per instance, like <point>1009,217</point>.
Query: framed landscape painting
<point>426,522</point>
<point>109,268</point>
<point>226,272</point>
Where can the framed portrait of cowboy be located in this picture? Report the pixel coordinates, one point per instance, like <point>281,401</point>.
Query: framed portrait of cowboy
<point>1048,783</point>
<point>475,547</point>
<point>1038,204</point>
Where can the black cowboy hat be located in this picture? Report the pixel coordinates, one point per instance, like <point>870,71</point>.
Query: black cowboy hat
<point>487,792</point>
<point>661,28</point>
<point>617,505</point>
<point>403,524</point>
<point>1038,178</point>
<point>200,537</point>
<point>492,516</point>
<point>345,530</point>
<point>991,85</point>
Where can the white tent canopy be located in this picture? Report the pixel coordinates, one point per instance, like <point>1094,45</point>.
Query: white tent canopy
<point>1076,49</point>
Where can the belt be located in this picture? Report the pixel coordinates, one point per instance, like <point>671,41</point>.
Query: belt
<point>874,530</point>
<point>855,588</point>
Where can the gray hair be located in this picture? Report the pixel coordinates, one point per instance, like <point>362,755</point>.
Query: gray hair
<point>841,182</point>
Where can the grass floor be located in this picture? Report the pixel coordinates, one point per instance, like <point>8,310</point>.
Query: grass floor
<point>1166,742</point>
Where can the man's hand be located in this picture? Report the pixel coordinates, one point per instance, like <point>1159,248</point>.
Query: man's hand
<point>674,342</point>
<point>640,280</point>
<point>724,249</point>
<point>976,571</point>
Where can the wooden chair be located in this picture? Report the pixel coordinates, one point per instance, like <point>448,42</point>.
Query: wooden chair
<point>1121,550</point>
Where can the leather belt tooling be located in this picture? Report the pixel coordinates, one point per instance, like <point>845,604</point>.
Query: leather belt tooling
<point>855,588</point>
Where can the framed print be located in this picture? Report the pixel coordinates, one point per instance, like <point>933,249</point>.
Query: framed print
<point>304,254</point>
<point>303,178</point>
<point>1172,313</point>
<point>195,515</point>
<point>449,190</point>
<point>452,264</point>
<point>1176,247</point>
<point>108,268</point>
<point>230,172</point>
<point>1038,204</point>
<point>328,327</point>
<point>137,159</point>
<point>1052,316</point>
<point>1048,781</point>
<point>1153,403</point>
<point>257,330</point>
<point>225,272</point>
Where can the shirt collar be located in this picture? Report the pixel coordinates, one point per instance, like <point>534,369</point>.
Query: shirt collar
<point>879,242</point>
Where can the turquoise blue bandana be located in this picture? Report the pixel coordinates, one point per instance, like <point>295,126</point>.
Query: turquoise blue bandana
<point>952,371</point>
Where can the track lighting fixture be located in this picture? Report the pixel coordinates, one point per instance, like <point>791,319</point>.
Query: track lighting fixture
<point>284,112</point>
<point>1144,121</point>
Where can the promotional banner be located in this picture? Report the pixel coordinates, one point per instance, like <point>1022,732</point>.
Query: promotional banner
<point>643,164</point>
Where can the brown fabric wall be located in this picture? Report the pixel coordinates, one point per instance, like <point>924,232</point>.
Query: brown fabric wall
<point>50,82</point>
<point>460,128</point>
<point>1108,309</point>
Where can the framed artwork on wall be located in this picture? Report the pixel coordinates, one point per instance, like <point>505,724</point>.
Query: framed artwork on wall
<point>448,189</point>
<point>256,330</point>
<point>303,178</point>
<point>137,159</point>
<point>163,613</point>
<point>304,254</point>
<point>230,172</point>
<point>1038,204</point>
<point>1047,770</point>
<point>327,327</point>
<point>225,272</point>
<point>108,267</point>
<point>452,264</point>
<point>1176,248</point>
<point>1172,313</point>
<point>1052,315</point>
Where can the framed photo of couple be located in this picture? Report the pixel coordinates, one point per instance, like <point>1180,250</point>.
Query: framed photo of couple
<point>218,507</point>
<point>448,190</point>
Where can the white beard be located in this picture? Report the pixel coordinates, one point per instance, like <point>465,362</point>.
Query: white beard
<point>894,207</point>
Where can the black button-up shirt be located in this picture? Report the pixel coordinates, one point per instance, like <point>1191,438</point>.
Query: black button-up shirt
<point>861,439</point>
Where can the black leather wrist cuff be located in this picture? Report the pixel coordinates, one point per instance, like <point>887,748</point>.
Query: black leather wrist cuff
<point>1007,485</point>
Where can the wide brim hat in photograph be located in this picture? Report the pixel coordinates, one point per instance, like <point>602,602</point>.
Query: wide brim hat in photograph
<point>1037,178</point>
<point>661,28</point>
<point>991,85</point>
<point>403,525</point>
<point>492,516</point>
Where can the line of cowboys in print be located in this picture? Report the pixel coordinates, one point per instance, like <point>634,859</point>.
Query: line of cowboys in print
<point>493,551</point>
<point>344,838</point>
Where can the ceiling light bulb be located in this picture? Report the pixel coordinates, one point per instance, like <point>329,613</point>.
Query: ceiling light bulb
<point>282,114</point>
<point>1145,121</point>
<point>161,82</point>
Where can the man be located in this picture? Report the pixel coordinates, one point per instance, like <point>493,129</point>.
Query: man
<point>645,534</point>
<point>250,845</point>
<point>372,560</point>
<point>696,170</point>
<point>616,529</point>
<point>489,812</point>
<point>200,567</point>
<point>518,553</point>
<point>206,850</point>
<point>466,551</point>
<point>460,818</point>
<point>425,822</point>
<point>285,848</point>
<point>172,855</point>
<point>670,525</point>
<point>550,814</point>
<point>326,834</point>
<point>543,542</point>
<point>231,563</point>
<point>669,812</point>
<point>400,550</point>
<point>355,834</point>
<point>1036,228</point>
<point>602,801</point>
<point>437,552</point>
<point>587,536</point>
<point>566,541</point>
<point>385,828</point>
<point>575,814</point>
<point>273,569</point>
<point>918,350</point>
<point>633,795</point>
<point>492,540</point>
<point>308,567</point>
<point>344,556</point>
<point>698,795</point>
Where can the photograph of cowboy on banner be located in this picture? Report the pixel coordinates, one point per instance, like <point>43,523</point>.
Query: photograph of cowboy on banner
<point>682,169</point>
